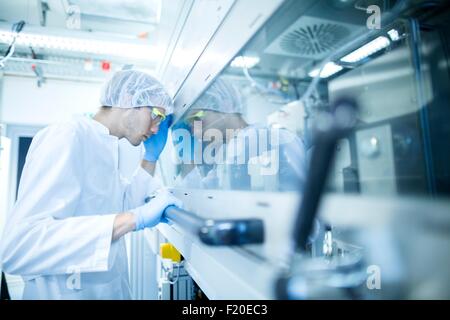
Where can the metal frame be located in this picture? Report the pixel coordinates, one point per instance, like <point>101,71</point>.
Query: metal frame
<point>176,71</point>
<point>14,132</point>
<point>182,17</point>
<point>416,59</point>
<point>223,232</point>
<point>240,24</point>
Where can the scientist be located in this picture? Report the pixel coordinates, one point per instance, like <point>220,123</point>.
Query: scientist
<point>255,156</point>
<point>64,235</point>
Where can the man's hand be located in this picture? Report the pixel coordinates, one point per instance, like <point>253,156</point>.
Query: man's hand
<point>149,214</point>
<point>155,144</point>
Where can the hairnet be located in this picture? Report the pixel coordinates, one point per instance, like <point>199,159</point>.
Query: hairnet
<point>221,96</point>
<point>132,88</point>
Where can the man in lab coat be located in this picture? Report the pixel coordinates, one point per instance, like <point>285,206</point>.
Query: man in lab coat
<point>64,235</point>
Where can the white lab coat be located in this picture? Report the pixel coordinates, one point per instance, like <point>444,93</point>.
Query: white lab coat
<point>58,234</point>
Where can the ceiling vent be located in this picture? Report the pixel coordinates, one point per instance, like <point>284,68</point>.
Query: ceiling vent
<point>311,37</point>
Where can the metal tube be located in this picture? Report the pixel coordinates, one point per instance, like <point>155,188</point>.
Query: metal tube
<point>218,232</point>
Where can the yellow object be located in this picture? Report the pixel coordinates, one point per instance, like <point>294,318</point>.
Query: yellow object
<point>168,251</point>
<point>156,113</point>
<point>199,115</point>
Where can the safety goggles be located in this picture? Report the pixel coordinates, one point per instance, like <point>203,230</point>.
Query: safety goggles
<point>157,115</point>
<point>199,115</point>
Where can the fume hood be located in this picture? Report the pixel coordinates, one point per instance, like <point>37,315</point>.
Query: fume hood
<point>290,63</point>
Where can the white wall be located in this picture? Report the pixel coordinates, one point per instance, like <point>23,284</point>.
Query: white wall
<point>23,102</point>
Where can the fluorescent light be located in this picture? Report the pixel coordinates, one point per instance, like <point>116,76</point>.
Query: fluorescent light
<point>328,70</point>
<point>367,50</point>
<point>102,47</point>
<point>245,62</point>
<point>394,35</point>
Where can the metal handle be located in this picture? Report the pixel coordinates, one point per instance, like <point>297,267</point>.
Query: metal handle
<point>330,127</point>
<point>218,232</point>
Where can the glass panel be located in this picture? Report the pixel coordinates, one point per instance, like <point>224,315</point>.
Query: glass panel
<point>252,128</point>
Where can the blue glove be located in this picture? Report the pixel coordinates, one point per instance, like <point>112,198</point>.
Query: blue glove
<point>155,144</point>
<point>151,213</point>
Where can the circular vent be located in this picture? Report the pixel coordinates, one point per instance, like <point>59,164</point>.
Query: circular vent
<point>313,39</point>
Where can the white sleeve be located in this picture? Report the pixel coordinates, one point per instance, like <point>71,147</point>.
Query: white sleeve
<point>43,235</point>
<point>140,187</point>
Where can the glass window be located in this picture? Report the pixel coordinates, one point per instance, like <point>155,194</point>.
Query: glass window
<point>252,129</point>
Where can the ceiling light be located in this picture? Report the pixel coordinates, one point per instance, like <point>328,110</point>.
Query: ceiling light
<point>328,70</point>
<point>394,35</point>
<point>367,50</point>
<point>101,47</point>
<point>244,62</point>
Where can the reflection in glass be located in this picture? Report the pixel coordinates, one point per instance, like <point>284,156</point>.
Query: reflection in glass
<point>308,55</point>
<point>219,148</point>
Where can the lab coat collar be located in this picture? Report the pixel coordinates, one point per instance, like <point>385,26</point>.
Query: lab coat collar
<point>103,131</point>
<point>99,126</point>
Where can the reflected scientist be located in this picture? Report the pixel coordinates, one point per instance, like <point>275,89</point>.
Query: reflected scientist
<point>64,235</point>
<point>239,146</point>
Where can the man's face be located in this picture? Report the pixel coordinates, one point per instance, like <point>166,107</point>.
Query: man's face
<point>139,124</point>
